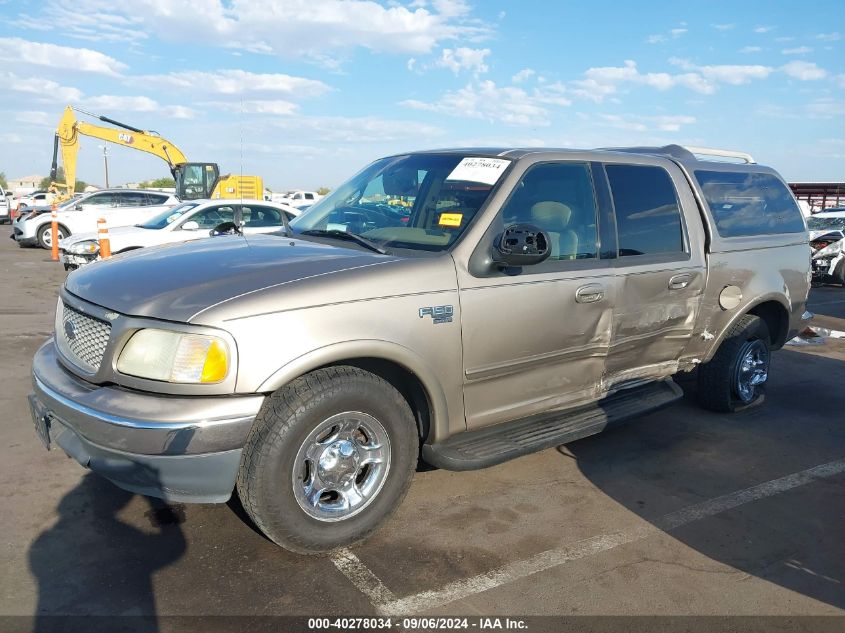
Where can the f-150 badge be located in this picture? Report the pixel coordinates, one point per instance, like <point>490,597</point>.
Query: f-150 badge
<point>438,314</point>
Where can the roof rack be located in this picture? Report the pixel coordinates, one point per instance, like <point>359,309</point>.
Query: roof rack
<point>685,153</point>
<point>721,153</point>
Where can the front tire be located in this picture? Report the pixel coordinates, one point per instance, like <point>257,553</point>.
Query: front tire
<point>735,378</point>
<point>45,235</point>
<point>328,460</point>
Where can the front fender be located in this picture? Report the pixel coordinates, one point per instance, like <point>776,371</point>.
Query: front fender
<point>383,350</point>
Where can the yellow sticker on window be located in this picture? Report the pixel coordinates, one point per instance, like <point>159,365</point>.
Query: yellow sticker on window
<point>450,219</point>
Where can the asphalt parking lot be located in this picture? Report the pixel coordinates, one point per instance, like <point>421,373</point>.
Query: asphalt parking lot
<point>681,512</point>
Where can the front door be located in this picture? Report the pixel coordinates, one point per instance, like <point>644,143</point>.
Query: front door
<point>536,338</point>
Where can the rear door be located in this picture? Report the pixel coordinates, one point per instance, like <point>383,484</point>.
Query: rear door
<point>660,270</point>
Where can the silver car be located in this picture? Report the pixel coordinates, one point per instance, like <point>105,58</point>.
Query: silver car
<point>463,306</point>
<point>120,207</point>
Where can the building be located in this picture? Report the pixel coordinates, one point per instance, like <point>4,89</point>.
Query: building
<point>27,184</point>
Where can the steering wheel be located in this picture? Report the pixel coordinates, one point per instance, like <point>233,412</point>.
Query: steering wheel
<point>372,218</point>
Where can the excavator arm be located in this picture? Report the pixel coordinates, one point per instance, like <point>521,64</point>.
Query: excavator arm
<point>193,180</point>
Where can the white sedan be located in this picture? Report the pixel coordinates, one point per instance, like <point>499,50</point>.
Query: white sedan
<point>187,221</point>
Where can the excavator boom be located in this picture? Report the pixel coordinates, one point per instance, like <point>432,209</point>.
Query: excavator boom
<point>193,180</point>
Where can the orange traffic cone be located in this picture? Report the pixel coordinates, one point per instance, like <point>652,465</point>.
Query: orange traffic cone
<point>54,234</point>
<point>103,234</point>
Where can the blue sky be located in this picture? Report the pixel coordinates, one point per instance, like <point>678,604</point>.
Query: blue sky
<point>305,92</point>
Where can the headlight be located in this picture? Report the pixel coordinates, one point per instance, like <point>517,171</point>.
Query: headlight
<point>174,357</point>
<point>831,250</point>
<point>86,247</point>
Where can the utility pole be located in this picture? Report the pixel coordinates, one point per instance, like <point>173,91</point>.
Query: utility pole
<point>106,162</point>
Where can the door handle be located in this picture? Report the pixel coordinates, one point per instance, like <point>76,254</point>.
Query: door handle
<point>589,293</point>
<point>679,282</point>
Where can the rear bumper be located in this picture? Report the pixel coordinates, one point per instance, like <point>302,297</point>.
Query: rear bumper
<point>178,448</point>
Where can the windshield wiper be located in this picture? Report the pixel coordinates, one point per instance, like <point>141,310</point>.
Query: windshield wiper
<point>343,235</point>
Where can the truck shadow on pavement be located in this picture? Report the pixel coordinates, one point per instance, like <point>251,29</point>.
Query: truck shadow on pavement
<point>93,563</point>
<point>683,456</point>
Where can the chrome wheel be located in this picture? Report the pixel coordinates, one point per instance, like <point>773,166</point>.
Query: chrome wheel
<point>341,466</point>
<point>752,370</point>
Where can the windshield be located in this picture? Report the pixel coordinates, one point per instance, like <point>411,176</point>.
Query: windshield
<point>825,224</point>
<point>168,216</point>
<point>418,201</point>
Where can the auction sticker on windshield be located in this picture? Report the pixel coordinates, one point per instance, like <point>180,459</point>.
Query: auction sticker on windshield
<point>486,170</point>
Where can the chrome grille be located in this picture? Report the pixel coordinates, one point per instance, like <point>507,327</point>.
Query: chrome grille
<point>84,337</point>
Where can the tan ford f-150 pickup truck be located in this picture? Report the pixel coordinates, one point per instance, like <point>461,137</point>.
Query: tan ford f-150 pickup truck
<point>516,299</point>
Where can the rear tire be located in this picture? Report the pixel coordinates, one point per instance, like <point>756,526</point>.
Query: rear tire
<point>735,377</point>
<point>339,430</point>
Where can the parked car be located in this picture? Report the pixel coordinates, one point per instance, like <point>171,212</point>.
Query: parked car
<point>5,207</point>
<point>297,198</point>
<point>827,230</point>
<point>187,221</point>
<point>528,298</point>
<point>34,199</point>
<point>119,207</point>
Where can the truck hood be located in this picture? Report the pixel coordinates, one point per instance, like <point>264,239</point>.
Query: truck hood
<point>175,282</point>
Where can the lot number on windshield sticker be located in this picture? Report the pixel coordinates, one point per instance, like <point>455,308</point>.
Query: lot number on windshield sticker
<point>450,219</point>
<point>486,170</point>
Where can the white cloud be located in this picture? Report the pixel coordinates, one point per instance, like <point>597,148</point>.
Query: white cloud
<point>35,117</point>
<point>636,123</point>
<point>827,108</point>
<point>124,103</point>
<point>314,29</point>
<point>734,74</point>
<point>724,27</point>
<point>674,34</point>
<point>750,49</point>
<point>829,37</point>
<point>798,50</point>
<point>237,83</point>
<point>523,75</point>
<point>277,107</point>
<point>336,129</point>
<point>487,101</point>
<point>15,50</point>
<point>40,89</point>
<point>471,59</point>
<point>10,138</point>
<point>764,29</point>
<point>804,71</point>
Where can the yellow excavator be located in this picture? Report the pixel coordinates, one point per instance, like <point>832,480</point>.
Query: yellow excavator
<point>193,180</point>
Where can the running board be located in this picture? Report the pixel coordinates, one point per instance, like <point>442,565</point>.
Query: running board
<point>496,444</point>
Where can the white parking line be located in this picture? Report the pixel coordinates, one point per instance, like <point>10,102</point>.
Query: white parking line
<point>360,575</point>
<point>386,604</point>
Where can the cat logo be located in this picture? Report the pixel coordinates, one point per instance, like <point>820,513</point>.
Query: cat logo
<point>438,314</point>
<point>125,138</point>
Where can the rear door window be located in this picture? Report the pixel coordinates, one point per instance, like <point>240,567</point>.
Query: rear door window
<point>744,204</point>
<point>212,216</point>
<point>261,216</point>
<point>648,216</point>
<point>132,199</point>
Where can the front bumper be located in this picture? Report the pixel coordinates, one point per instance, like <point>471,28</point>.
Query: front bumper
<point>72,260</point>
<point>178,448</point>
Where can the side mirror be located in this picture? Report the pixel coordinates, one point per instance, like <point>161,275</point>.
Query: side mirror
<point>77,207</point>
<point>191,225</point>
<point>522,245</point>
